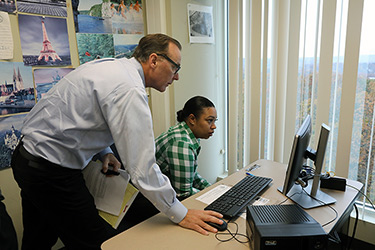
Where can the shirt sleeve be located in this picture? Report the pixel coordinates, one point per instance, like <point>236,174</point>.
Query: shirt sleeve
<point>129,120</point>
<point>181,161</point>
<point>200,182</point>
<point>105,151</point>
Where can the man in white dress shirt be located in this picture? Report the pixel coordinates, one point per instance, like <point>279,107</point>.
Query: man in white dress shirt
<point>100,103</point>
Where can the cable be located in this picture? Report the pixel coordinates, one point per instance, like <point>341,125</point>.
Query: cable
<point>336,213</point>
<point>284,201</point>
<point>289,198</point>
<point>357,213</point>
<point>355,222</point>
<point>303,190</point>
<point>362,194</point>
<point>233,235</point>
<point>355,226</point>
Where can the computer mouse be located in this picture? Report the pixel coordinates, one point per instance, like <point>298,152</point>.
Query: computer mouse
<point>221,227</point>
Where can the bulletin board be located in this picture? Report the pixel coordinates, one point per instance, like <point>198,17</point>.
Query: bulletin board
<point>43,40</point>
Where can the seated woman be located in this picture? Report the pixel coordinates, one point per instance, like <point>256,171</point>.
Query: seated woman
<point>176,154</point>
<point>177,149</point>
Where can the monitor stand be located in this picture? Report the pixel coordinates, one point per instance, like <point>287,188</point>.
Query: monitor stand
<point>305,199</point>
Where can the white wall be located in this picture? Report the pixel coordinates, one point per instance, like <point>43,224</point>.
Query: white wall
<point>202,73</point>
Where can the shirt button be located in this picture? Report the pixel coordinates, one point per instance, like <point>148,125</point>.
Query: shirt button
<point>172,217</point>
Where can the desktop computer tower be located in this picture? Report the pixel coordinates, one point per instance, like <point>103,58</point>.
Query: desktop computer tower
<point>283,227</point>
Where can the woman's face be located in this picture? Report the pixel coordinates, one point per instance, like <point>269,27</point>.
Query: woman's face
<point>203,126</point>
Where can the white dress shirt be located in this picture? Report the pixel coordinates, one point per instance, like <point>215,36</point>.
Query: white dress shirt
<point>102,102</point>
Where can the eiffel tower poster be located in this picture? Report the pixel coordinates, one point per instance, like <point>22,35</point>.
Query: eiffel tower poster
<point>47,50</point>
<point>44,41</point>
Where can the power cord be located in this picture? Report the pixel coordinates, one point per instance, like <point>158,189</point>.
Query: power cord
<point>362,194</point>
<point>334,210</point>
<point>357,214</point>
<point>336,238</point>
<point>232,235</point>
<point>289,198</point>
<point>355,227</point>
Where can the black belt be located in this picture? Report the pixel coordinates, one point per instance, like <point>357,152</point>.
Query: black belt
<point>36,162</point>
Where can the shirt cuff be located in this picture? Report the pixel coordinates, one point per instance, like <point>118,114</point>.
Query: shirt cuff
<point>105,151</point>
<point>177,212</point>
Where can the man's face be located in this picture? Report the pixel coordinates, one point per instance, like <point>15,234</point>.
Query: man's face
<point>165,73</point>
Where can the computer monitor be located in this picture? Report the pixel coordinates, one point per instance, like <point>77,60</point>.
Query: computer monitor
<point>293,187</point>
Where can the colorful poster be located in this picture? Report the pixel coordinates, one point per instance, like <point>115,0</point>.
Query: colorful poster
<point>90,17</point>
<point>43,7</point>
<point>10,133</point>
<point>125,45</point>
<point>107,17</point>
<point>16,88</point>
<point>7,6</point>
<point>44,41</point>
<point>127,18</point>
<point>94,46</point>
<point>46,78</point>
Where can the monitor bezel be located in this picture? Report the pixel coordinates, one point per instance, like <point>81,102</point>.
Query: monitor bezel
<point>296,157</point>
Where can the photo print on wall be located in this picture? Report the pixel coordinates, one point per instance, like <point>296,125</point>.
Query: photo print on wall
<point>8,6</point>
<point>16,88</point>
<point>94,46</point>
<point>125,45</point>
<point>200,21</point>
<point>110,17</point>
<point>43,7</point>
<point>44,40</point>
<point>10,134</point>
<point>46,78</point>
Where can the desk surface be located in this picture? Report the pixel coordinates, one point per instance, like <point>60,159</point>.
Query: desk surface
<point>159,232</point>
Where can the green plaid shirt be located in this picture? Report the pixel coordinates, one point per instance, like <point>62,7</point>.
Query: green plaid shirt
<point>176,153</point>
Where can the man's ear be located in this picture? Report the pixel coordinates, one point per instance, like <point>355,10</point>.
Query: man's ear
<point>153,58</point>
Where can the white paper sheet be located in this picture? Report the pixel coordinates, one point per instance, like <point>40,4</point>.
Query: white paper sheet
<point>108,192</point>
<point>6,38</point>
<point>213,194</point>
<point>259,201</point>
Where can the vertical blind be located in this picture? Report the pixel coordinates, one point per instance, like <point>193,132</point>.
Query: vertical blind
<point>291,58</point>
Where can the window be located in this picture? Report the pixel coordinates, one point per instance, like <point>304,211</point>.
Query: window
<point>362,153</point>
<point>294,58</point>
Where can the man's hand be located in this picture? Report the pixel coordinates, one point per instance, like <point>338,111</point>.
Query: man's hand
<point>110,160</point>
<point>196,220</point>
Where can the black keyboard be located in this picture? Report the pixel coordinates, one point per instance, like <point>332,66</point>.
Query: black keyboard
<point>235,199</point>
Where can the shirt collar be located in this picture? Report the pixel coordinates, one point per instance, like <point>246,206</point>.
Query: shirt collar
<point>194,140</point>
<point>139,68</point>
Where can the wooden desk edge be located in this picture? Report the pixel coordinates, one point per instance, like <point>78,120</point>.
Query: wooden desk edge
<point>273,169</point>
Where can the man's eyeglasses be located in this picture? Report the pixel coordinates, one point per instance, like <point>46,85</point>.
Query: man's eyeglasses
<point>178,67</point>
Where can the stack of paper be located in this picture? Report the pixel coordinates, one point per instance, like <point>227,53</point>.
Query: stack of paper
<point>113,195</point>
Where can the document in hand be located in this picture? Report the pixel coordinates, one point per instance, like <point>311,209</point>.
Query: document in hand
<point>113,195</point>
<point>114,220</point>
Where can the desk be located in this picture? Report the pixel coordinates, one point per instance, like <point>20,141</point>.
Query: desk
<point>159,232</point>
